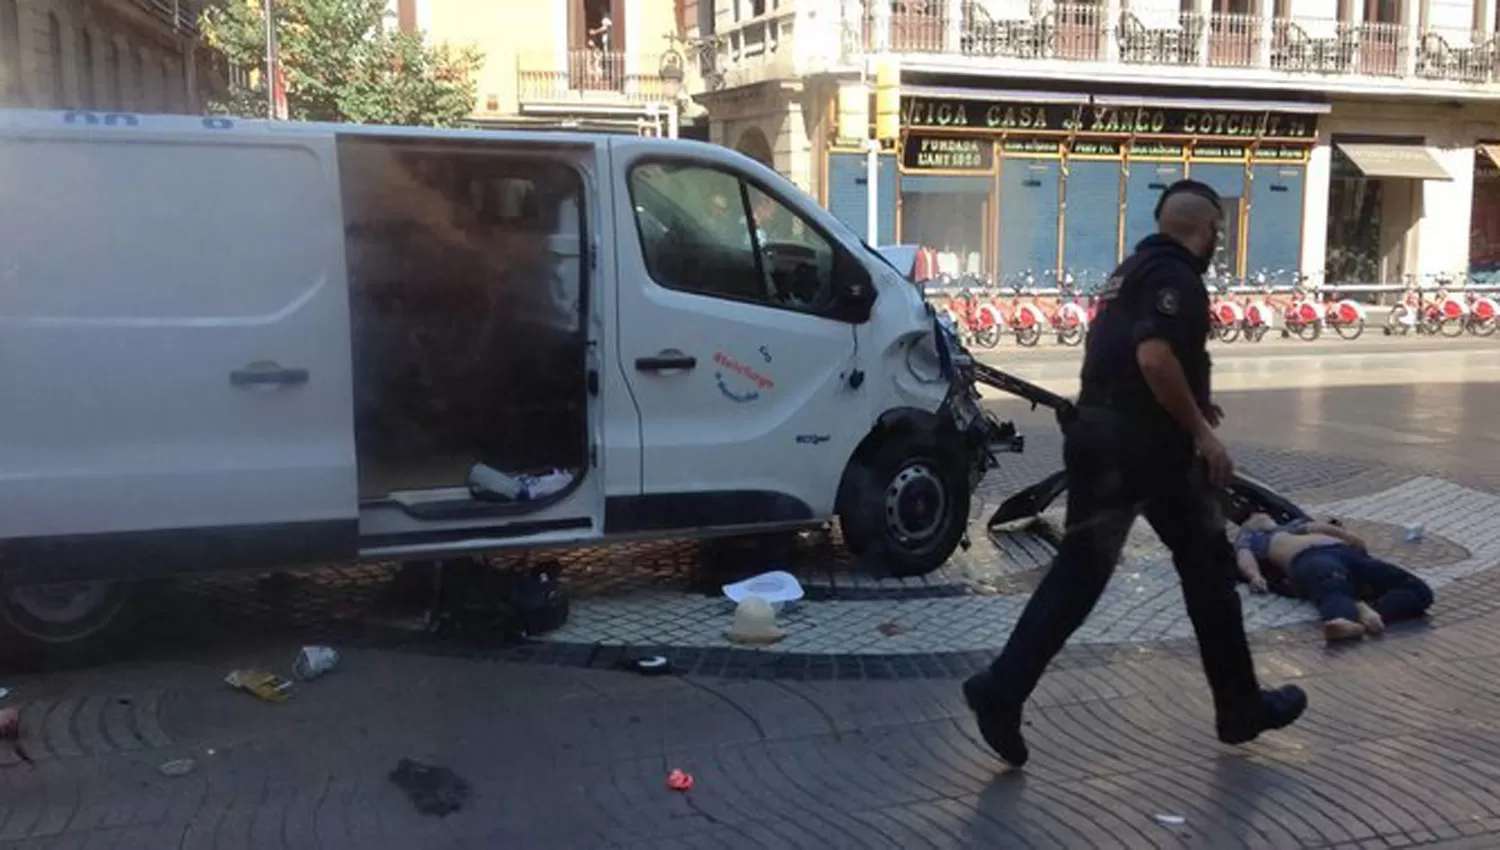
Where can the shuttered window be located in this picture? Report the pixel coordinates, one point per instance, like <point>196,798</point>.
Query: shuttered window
<point>1092,226</point>
<point>1028,218</point>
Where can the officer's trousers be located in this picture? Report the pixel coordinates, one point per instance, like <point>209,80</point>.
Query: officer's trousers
<point>1119,468</point>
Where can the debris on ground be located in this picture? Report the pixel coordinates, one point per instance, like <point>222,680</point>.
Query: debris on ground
<point>313,661</point>
<point>4,692</point>
<point>1171,820</point>
<point>648,665</point>
<point>433,790</point>
<point>1414,533</point>
<point>262,683</point>
<point>10,732</point>
<point>776,587</point>
<point>679,780</point>
<point>177,767</point>
<point>478,602</point>
<point>754,623</point>
<point>891,629</point>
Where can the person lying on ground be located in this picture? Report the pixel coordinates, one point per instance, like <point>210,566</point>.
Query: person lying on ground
<point>1356,593</point>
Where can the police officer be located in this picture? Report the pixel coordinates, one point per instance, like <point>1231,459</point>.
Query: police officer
<point>1141,440</point>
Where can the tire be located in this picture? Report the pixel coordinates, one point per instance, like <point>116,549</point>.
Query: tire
<point>64,625</point>
<point>904,506</point>
<point>1028,335</point>
<point>1228,333</point>
<point>1309,331</point>
<point>1452,327</point>
<point>1350,330</point>
<point>1070,335</point>
<point>1483,327</point>
<point>987,336</point>
<point>1255,333</point>
<point>1429,326</point>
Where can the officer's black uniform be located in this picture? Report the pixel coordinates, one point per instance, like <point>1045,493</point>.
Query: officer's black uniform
<point>1126,456</point>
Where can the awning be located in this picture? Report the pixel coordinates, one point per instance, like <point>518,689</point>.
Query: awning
<point>1413,162</point>
<point>1491,152</point>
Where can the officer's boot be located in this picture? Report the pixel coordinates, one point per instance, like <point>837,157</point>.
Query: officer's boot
<point>1276,709</point>
<point>999,719</point>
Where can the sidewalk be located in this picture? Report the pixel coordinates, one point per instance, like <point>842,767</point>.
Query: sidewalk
<point>842,743</point>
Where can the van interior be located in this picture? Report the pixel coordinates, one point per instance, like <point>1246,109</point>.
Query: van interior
<point>467,302</point>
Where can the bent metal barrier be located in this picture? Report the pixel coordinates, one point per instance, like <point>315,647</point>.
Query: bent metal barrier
<point>1244,495</point>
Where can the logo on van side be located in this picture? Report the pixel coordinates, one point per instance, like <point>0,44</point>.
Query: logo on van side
<point>742,374</point>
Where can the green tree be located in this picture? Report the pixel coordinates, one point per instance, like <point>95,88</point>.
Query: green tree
<point>340,63</point>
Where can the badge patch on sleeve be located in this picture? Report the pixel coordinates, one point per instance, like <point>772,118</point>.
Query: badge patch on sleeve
<point>1166,302</point>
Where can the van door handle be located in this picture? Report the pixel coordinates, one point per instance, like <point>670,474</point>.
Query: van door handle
<point>666,361</point>
<point>267,374</point>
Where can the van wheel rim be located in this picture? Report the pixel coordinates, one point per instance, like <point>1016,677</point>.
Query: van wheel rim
<point>915,504</point>
<point>59,604</point>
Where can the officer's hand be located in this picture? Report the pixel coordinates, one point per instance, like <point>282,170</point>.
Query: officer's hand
<point>1215,415</point>
<point>1215,457</point>
<point>1258,585</point>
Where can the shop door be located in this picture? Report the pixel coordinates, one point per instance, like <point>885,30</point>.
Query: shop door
<point>1229,182</point>
<point>1028,220</point>
<point>1144,183</point>
<point>1091,221</point>
<point>1274,238</point>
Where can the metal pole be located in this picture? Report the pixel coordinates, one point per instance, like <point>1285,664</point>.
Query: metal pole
<point>872,181</point>
<point>270,62</point>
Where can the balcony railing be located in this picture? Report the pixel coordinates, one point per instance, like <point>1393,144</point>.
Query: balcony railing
<point>590,76</point>
<point>181,15</point>
<point>1083,32</point>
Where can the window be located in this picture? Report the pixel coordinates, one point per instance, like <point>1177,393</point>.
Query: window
<point>86,80</point>
<point>707,232</point>
<point>55,47</point>
<point>116,91</point>
<point>10,53</point>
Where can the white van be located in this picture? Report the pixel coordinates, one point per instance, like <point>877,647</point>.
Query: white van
<point>232,344</point>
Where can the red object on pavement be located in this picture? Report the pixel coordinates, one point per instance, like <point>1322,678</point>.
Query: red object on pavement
<point>679,781</point>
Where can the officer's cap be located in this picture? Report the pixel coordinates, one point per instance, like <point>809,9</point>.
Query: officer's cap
<point>1202,190</point>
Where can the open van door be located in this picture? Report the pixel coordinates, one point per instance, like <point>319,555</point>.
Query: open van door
<point>174,349</point>
<point>476,379</point>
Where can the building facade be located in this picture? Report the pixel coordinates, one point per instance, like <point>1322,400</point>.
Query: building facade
<point>599,64</point>
<point>1351,137</point>
<point>126,55</point>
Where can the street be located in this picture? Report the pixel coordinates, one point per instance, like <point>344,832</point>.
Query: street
<point>851,732</point>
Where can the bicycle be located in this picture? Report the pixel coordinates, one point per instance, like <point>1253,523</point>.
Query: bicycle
<point>1304,315</point>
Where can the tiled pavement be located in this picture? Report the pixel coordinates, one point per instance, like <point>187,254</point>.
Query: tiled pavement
<point>1400,748</point>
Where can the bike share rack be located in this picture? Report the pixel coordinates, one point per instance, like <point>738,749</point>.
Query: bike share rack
<point>1243,496</point>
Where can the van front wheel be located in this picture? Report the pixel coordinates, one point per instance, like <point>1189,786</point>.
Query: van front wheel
<point>905,505</point>
<point>60,625</point>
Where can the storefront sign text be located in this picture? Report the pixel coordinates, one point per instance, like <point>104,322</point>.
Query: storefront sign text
<point>1032,146</point>
<point>1156,149</point>
<point>1282,153</point>
<point>1095,148</point>
<point>978,114</point>
<point>948,153</point>
<point>1235,152</point>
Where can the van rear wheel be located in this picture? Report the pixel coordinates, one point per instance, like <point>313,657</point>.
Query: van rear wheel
<point>62,625</point>
<point>905,506</point>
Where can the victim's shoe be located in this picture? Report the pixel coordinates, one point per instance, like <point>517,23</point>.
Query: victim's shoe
<point>999,722</point>
<point>1275,709</point>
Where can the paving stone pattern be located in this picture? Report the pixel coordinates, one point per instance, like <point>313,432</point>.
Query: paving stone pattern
<point>1399,749</point>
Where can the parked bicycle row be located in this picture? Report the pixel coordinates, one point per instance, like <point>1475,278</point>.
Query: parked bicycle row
<point>1241,309</point>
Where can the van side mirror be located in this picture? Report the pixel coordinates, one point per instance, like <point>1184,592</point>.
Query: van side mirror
<point>854,291</point>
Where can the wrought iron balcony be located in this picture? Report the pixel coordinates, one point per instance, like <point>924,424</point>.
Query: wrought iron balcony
<point>1083,32</point>
<point>591,77</point>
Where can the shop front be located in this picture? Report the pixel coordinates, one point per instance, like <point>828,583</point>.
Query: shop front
<point>1484,217</point>
<point>1062,186</point>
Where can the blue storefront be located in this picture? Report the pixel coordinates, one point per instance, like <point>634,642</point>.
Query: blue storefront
<point>1027,191</point>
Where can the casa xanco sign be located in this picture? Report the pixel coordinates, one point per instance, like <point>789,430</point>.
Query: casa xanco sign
<point>944,113</point>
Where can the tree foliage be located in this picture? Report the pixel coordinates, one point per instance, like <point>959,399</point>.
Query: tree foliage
<point>342,62</point>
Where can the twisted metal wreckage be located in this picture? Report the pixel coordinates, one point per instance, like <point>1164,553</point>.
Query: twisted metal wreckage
<point>1244,495</point>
